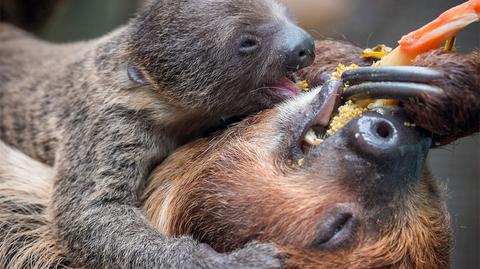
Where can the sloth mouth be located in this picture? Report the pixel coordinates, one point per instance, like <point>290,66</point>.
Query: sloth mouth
<point>337,228</point>
<point>325,105</point>
<point>283,88</point>
<point>311,123</point>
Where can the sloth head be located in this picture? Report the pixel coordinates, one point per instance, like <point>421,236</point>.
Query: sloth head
<point>360,199</point>
<point>197,52</point>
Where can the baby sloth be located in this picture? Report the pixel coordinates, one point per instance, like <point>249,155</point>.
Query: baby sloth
<point>106,111</point>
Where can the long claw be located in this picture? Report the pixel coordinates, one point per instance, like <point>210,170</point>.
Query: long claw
<point>389,90</point>
<point>391,73</point>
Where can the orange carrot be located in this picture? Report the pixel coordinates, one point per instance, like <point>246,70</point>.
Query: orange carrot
<point>433,34</point>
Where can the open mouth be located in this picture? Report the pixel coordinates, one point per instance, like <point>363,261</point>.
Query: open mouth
<point>312,121</point>
<point>284,88</point>
<point>327,103</point>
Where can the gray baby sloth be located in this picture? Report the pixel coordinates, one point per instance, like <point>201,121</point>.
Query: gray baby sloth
<point>106,111</point>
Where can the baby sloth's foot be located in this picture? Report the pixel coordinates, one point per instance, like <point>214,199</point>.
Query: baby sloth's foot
<point>253,255</point>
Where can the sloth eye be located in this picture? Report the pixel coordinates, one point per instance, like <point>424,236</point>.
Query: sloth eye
<point>248,45</point>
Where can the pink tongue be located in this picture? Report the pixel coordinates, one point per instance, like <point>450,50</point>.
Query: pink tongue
<point>286,87</point>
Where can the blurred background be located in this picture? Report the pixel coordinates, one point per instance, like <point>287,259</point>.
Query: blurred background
<point>364,23</point>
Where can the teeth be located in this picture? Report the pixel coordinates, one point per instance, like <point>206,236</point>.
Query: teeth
<point>311,138</point>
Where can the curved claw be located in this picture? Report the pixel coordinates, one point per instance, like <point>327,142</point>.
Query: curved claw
<point>389,90</point>
<point>391,73</point>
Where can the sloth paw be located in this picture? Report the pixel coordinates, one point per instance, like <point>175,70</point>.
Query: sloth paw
<point>441,97</point>
<point>253,255</point>
<point>456,113</point>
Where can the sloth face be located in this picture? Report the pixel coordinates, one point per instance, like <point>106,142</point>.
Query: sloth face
<point>359,199</point>
<point>225,56</point>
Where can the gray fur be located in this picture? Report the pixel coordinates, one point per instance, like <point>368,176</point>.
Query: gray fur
<point>73,106</point>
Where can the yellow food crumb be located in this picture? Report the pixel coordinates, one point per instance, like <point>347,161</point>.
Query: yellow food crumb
<point>352,109</point>
<point>346,113</point>
<point>342,68</point>
<point>303,85</point>
<point>300,162</point>
<point>377,52</point>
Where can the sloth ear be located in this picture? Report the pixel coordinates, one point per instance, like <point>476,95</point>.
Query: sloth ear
<point>136,75</point>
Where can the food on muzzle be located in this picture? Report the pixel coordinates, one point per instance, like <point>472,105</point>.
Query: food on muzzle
<point>296,51</point>
<point>326,103</point>
<point>346,113</point>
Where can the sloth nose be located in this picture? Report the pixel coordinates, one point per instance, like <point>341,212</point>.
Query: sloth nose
<point>376,135</point>
<point>299,48</point>
<point>387,138</point>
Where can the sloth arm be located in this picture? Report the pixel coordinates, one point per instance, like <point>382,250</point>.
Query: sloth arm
<point>449,116</point>
<point>99,177</point>
<point>456,113</point>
